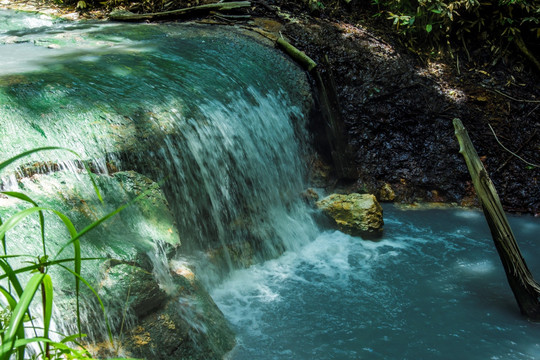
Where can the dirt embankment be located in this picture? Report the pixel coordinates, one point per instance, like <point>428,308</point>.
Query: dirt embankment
<point>397,113</point>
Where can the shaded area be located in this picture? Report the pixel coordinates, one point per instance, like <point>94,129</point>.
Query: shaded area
<point>398,119</point>
<point>215,115</point>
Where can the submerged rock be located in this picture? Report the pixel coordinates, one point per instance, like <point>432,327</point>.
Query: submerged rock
<point>354,214</point>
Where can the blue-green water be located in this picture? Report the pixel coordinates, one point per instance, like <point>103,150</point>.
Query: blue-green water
<point>432,288</point>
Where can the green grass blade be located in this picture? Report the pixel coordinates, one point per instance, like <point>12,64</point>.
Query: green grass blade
<point>12,277</point>
<point>33,267</point>
<point>77,260</point>
<point>6,349</point>
<point>12,304</point>
<point>17,316</point>
<point>93,226</point>
<point>3,239</point>
<point>46,148</point>
<point>10,299</point>
<point>47,304</point>
<point>13,281</point>
<point>26,198</point>
<point>104,218</point>
<point>72,338</point>
<point>98,299</point>
<point>21,215</point>
<point>30,152</point>
<point>15,256</point>
<point>22,343</point>
<point>17,218</point>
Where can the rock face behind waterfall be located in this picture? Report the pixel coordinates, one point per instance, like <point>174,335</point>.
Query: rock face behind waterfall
<point>156,310</point>
<point>182,324</point>
<point>355,214</point>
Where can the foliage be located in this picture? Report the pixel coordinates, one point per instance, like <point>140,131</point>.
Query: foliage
<point>497,23</point>
<point>24,282</point>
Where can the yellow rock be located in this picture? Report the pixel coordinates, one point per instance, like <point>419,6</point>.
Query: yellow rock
<point>354,214</point>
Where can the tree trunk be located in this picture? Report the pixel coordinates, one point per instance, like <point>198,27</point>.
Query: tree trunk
<point>526,290</point>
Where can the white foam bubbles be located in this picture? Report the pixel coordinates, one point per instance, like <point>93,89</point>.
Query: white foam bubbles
<point>481,267</point>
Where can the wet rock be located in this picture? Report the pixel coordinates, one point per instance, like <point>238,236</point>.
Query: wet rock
<point>310,196</point>
<point>189,326</point>
<point>355,214</point>
<point>154,312</point>
<point>386,193</point>
<point>135,287</point>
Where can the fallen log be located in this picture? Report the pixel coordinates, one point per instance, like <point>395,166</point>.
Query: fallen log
<point>225,6</point>
<point>526,290</point>
<point>300,57</point>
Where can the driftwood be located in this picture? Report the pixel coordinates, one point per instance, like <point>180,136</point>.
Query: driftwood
<point>300,57</point>
<point>526,290</point>
<point>225,6</point>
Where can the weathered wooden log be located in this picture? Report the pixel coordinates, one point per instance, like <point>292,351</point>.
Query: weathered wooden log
<point>299,56</point>
<point>526,290</point>
<point>225,6</point>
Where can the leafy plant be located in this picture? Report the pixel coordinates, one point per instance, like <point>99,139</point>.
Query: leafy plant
<point>456,23</point>
<point>20,294</point>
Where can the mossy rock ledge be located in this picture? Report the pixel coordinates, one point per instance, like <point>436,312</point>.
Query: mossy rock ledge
<point>354,214</point>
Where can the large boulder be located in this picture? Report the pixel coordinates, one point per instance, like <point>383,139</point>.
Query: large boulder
<point>354,214</point>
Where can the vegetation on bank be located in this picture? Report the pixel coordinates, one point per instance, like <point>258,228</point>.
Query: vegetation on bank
<point>505,26</point>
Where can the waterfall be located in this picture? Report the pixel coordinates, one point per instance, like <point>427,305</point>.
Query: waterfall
<point>217,117</point>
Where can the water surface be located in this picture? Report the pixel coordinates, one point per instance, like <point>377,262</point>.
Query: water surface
<point>432,288</point>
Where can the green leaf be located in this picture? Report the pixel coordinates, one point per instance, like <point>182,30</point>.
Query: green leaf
<point>24,197</point>
<point>11,275</point>
<point>35,266</point>
<point>98,299</point>
<point>18,314</point>
<point>429,27</point>
<point>10,299</point>
<point>47,303</point>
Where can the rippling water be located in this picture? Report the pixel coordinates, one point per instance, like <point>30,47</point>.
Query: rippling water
<point>432,288</point>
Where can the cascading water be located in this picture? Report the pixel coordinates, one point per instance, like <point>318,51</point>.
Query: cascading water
<point>205,110</point>
<point>431,288</point>
<point>216,116</point>
<point>220,119</point>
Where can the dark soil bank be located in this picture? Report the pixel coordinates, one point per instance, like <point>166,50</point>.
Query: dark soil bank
<point>398,113</point>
